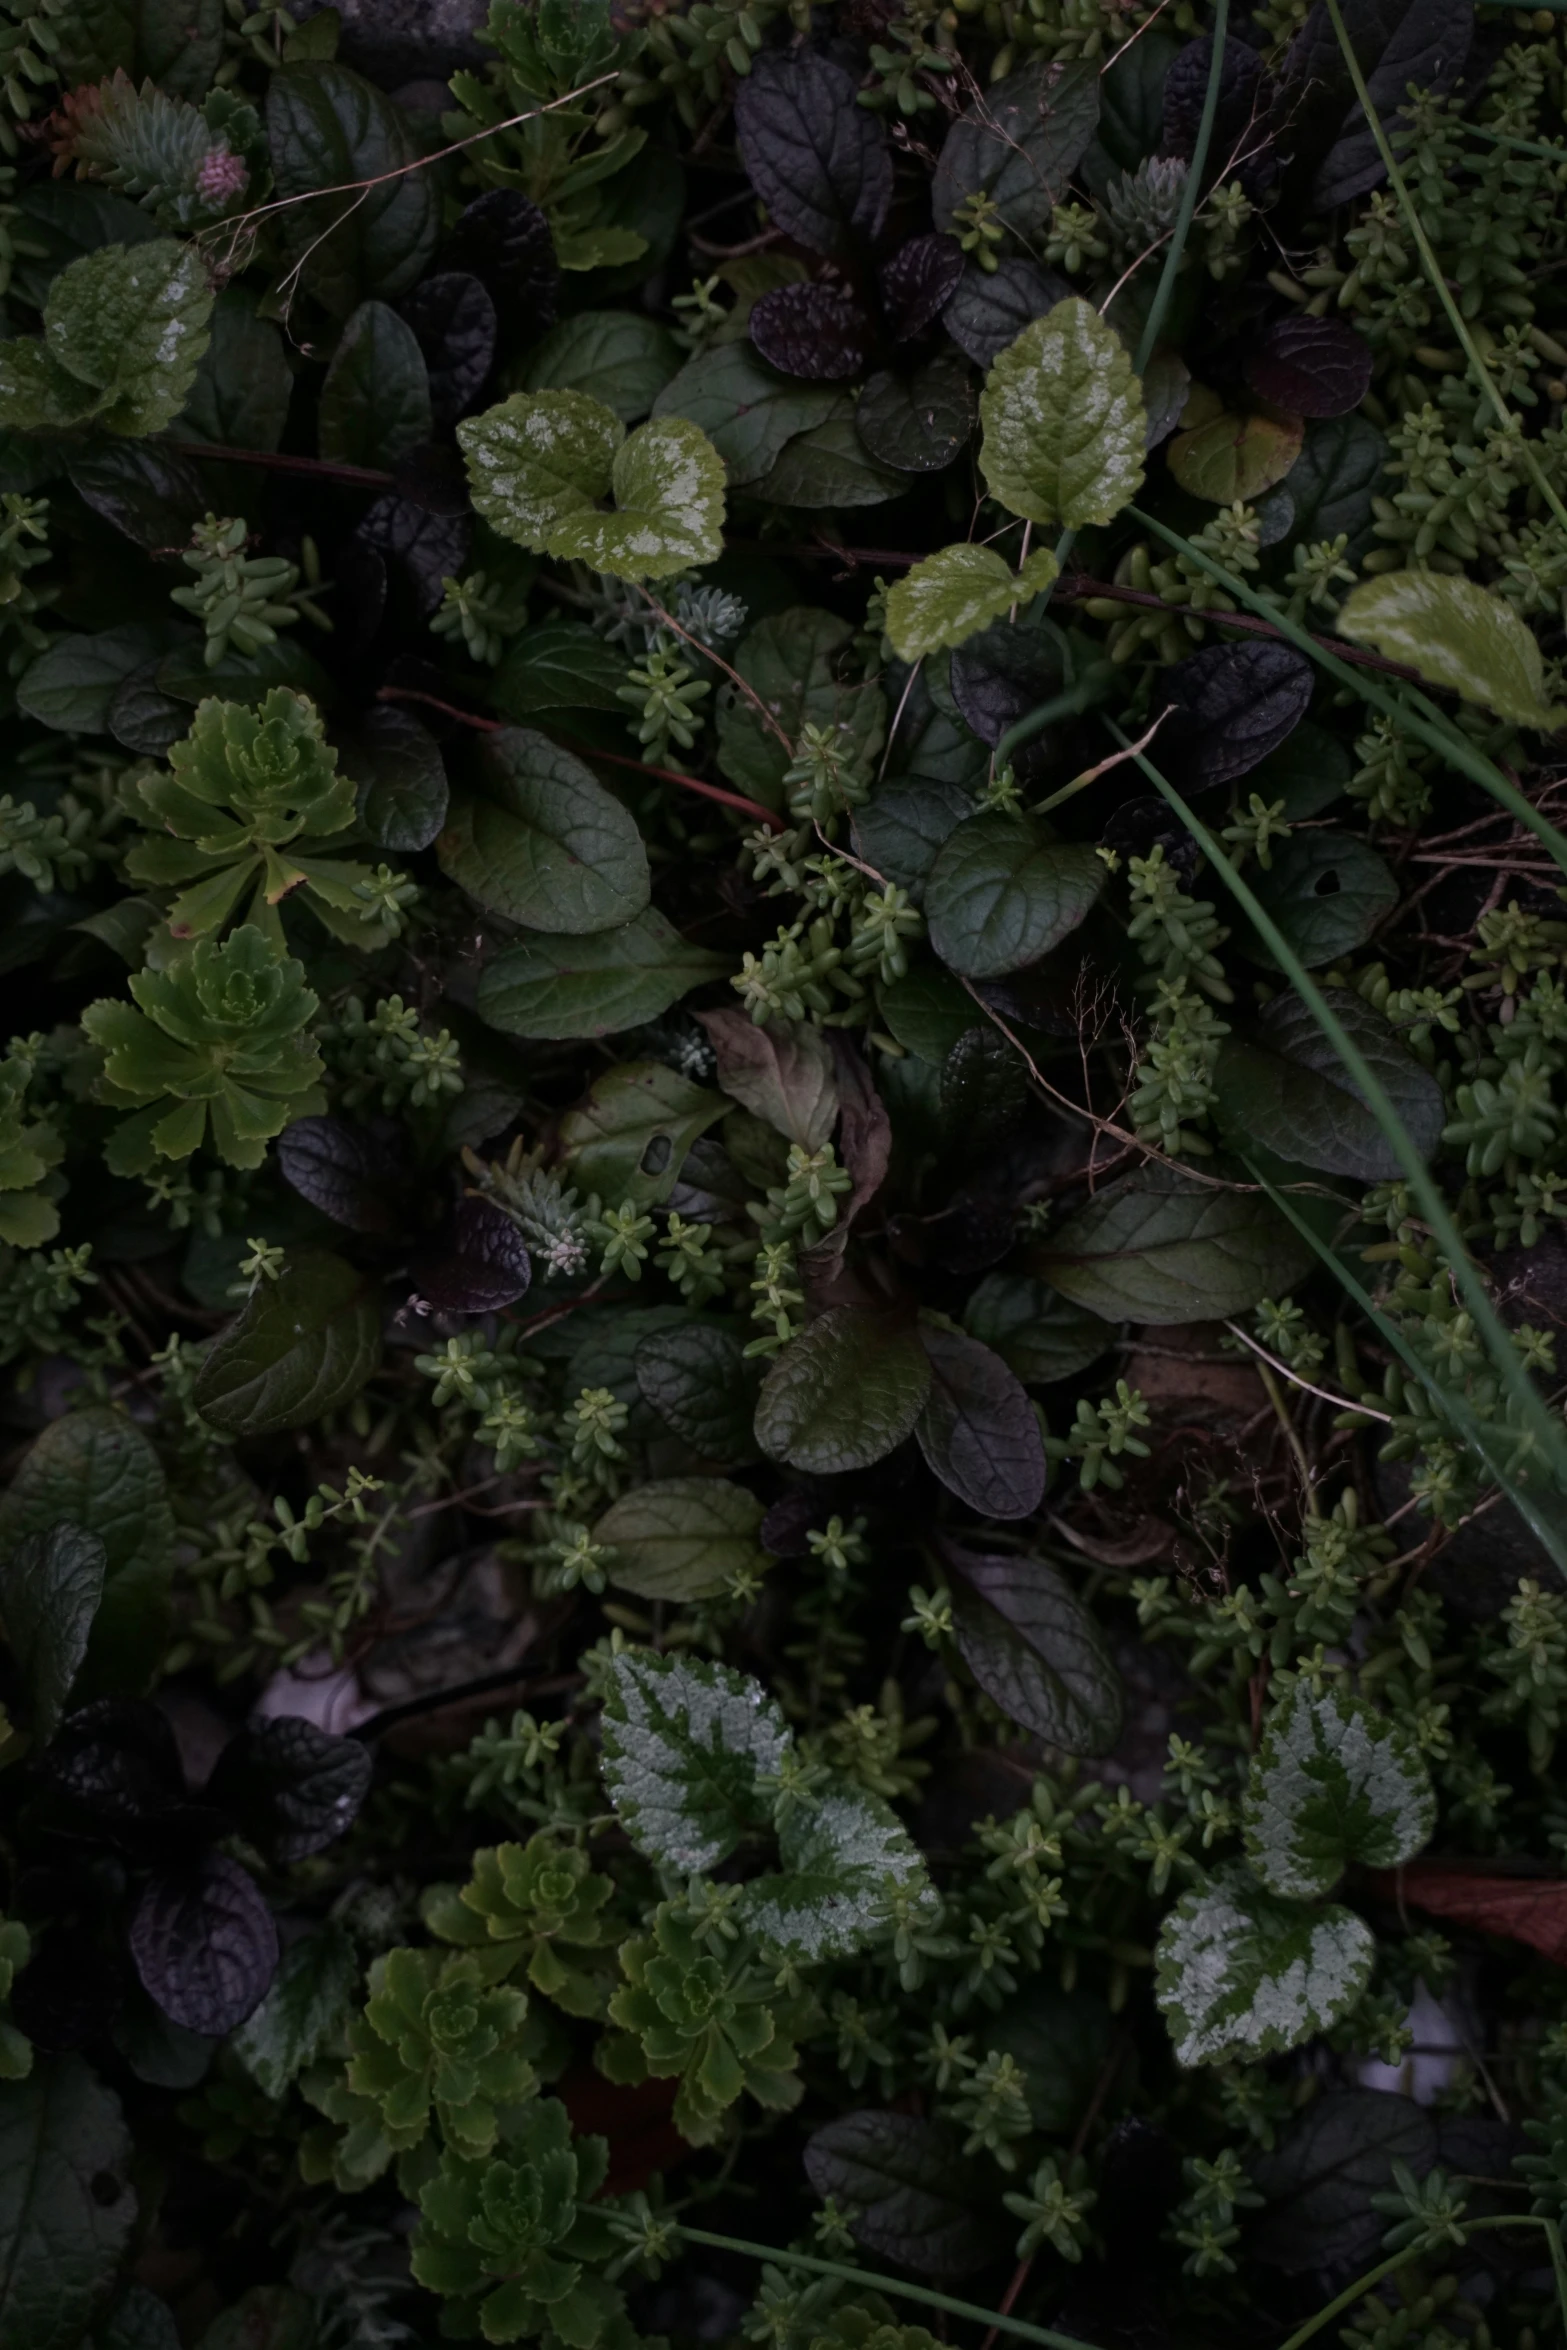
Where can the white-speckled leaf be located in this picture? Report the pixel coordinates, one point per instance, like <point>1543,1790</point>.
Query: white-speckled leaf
<point>841,1848</point>
<point>1333,1782</point>
<point>956,592</point>
<point>1242,1974</point>
<point>668,481</point>
<point>685,1744</point>
<point>1065,428</point>
<point>538,458</point>
<point>1459,635</point>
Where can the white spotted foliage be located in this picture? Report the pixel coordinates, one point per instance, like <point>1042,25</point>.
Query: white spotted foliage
<point>1065,426</point>
<point>542,464</point>
<point>956,592</point>
<point>1333,1782</point>
<point>696,1758</point>
<point>1242,1974</point>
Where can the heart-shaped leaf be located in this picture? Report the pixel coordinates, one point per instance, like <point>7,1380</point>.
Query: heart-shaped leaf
<point>668,481</point>
<point>1002,893</point>
<point>1333,1783</point>
<point>1065,427</point>
<point>1229,458</point>
<point>537,459</point>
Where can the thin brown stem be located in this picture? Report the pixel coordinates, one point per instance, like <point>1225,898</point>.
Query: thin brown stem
<point>365,477</point>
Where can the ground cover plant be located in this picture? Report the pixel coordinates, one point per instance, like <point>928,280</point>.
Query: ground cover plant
<point>783,1180</point>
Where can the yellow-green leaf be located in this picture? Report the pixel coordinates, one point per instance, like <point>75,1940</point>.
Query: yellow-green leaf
<point>1065,428</point>
<point>1458,635</point>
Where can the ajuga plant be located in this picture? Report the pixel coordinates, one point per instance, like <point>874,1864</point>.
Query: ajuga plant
<point>783,1175</point>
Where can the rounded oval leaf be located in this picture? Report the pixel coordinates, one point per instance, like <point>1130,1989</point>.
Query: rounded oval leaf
<point>547,845</point>
<point>908,2190</point>
<point>204,1944</point>
<point>956,592</point>
<point>557,987</point>
<point>1232,458</point>
<point>1002,893</point>
<point>538,458</point>
<point>814,331</point>
<point>1458,635</point>
<point>978,1430</point>
<point>682,1537</point>
<point>845,1393</point>
<point>1311,366</point>
<point>1035,1650</point>
<point>1230,706</point>
<point>1241,1974</point>
<point>1159,1246</point>
<point>1283,1085</point>
<point>1064,423</point>
<point>304,1344</point>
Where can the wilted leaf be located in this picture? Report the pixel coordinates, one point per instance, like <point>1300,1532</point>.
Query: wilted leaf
<point>782,1073</point>
<point>681,1538</point>
<point>1458,635</point>
<point>845,1393</point>
<point>545,844</point>
<point>1159,1246</point>
<point>1035,1649</point>
<point>1064,423</point>
<point>1242,1975</point>
<point>978,1430</point>
<point>908,2190</point>
<point>304,1344</point>
<point>1002,893</point>
<point>1528,1909</point>
<point>1282,1084</point>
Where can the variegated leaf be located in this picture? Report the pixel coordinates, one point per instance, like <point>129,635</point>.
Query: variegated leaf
<point>1065,429</point>
<point>1333,1782</point>
<point>1242,1974</point>
<point>841,1849</point>
<point>685,1744</point>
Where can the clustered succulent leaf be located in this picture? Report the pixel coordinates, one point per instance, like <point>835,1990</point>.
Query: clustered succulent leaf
<point>783,1175</point>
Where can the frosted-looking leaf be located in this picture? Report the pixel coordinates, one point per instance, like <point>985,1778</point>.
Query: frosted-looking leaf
<point>839,1847</point>
<point>1333,1782</point>
<point>540,465</point>
<point>668,481</point>
<point>1458,635</point>
<point>956,592</point>
<point>537,458</point>
<point>685,1743</point>
<point>1243,1974</point>
<point>1065,428</point>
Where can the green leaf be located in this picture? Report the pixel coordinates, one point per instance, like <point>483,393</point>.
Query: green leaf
<point>1327,891</point>
<point>244,384</point>
<point>918,423</point>
<point>96,1469</point>
<point>1232,458</point>
<point>537,459</point>
<point>1034,1648</point>
<point>560,665</point>
<point>839,1846</point>
<point>685,1743</point>
<point>545,844</point>
<point>618,356</point>
<point>1282,1084</point>
<point>782,1073</point>
<point>50,1587</point>
<point>978,1430</point>
<point>328,129</point>
<point>304,1344</point>
<point>789,661</point>
<point>956,592</point>
<point>539,464</point>
<point>1003,892</point>
<point>123,330</point>
<point>67,2206</point>
<point>554,987</point>
<point>630,1138</point>
<point>845,1393</point>
<point>747,409</point>
<point>72,685</point>
<point>1064,424</point>
<point>668,481</point>
<point>375,403</point>
<point>830,466</point>
<point>1160,1246</point>
<point>1333,1784</point>
<point>1459,636</point>
<point>1038,1335</point>
<point>313,1994</point>
<point>1242,1975</point>
<point>399,778</point>
<point>927,1011</point>
<point>1019,141</point>
<point>902,827</point>
<point>681,1538</point>
<point>695,1376</point>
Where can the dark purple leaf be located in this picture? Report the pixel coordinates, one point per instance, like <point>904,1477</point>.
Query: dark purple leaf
<point>1239,146</point>
<point>454,319</point>
<point>1232,705</point>
<point>152,494</point>
<point>918,283</point>
<point>817,159</point>
<point>504,240</point>
<point>357,1175</point>
<point>814,331</point>
<point>290,1788</point>
<point>1002,674</point>
<point>1035,1649</point>
<point>75,1984</point>
<point>429,548</point>
<point>430,475</point>
<point>984,1090</point>
<point>908,2190</point>
<point>482,1265</point>
<point>204,1944</point>
<point>116,1763</point>
<point>1311,366</point>
<point>146,719</point>
<point>1330,149</point>
<point>978,1431</point>
<point>918,423</point>
<point>991,307</point>
<point>396,766</point>
<point>1145,823</point>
